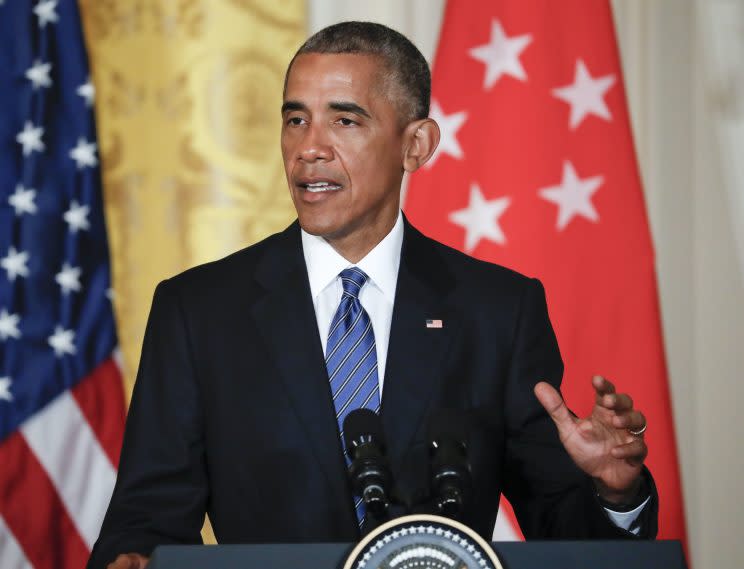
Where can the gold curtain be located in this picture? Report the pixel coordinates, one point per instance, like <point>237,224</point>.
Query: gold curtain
<point>187,103</point>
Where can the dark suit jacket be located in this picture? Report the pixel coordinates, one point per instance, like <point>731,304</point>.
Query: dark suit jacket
<point>232,414</point>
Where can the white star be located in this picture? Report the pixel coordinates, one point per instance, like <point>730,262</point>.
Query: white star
<point>63,341</point>
<point>84,154</point>
<point>501,55</point>
<point>44,10</point>
<point>30,138</point>
<point>448,127</point>
<point>68,278</point>
<point>77,216</point>
<point>88,92</point>
<point>481,219</point>
<point>573,196</point>
<point>23,200</point>
<point>585,95</point>
<point>15,263</point>
<point>5,394</point>
<point>38,74</point>
<point>9,325</point>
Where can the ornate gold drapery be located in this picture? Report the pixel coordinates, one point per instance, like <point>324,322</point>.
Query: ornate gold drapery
<point>187,102</point>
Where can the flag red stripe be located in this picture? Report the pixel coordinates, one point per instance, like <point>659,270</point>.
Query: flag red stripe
<point>100,397</point>
<point>34,513</point>
<point>506,508</point>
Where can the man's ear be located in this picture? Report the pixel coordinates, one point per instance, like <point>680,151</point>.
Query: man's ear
<point>421,140</point>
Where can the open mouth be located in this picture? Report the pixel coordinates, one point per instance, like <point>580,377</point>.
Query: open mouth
<point>321,186</point>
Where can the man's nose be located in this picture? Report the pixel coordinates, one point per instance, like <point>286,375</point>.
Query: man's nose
<point>315,145</point>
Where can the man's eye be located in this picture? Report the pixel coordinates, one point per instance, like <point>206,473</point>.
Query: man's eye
<point>295,121</point>
<point>346,121</point>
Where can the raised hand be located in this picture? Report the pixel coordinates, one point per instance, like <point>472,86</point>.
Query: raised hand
<point>608,445</point>
<point>128,561</point>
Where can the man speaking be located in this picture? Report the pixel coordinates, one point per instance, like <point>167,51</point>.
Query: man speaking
<point>251,363</point>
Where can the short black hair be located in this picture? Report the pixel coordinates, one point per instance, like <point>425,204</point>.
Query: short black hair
<point>407,67</point>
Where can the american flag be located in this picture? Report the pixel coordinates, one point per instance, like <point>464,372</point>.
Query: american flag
<point>61,396</point>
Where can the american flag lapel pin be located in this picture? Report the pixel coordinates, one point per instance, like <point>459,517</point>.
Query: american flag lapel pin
<point>433,323</point>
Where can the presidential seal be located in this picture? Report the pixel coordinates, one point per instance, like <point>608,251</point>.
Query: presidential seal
<point>423,542</point>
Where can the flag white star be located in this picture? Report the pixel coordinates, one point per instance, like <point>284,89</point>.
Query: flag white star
<point>573,196</point>
<point>88,92</point>
<point>68,278</point>
<point>480,218</point>
<point>448,127</point>
<point>84,154</point>
<point>501,55</point>
<point>5,383</point>
<point>38,74</point>
<point>30,138</point>
<point>62,341</point>
<point>9,325</point>
<point>77,216</point>
<point>45,11</point>
<point>22,200</point>
<point>15,263</point>
<point>585,95</point>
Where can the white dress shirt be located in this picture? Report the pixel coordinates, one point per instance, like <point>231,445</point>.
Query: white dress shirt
<point>377,296</point>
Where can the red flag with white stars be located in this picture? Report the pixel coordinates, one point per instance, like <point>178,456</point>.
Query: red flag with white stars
<point>536,171</point>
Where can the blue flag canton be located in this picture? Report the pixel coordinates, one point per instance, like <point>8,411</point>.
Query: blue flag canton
<point>56,318</point>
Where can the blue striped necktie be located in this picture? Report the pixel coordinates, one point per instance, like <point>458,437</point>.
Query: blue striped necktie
<point>351,359</point>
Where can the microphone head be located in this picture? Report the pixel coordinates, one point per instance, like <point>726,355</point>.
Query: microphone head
<point>362,423</point>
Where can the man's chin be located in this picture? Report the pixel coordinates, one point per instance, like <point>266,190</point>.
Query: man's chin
<point>319,228</point>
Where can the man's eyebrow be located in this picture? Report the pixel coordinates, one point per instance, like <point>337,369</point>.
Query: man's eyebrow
<point>349,107</point>
<point>293,106</point>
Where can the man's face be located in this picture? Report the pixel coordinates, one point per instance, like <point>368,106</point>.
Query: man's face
<point>342,145</point>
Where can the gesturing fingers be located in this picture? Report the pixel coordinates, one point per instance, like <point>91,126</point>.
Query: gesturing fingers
<point>602,386</point>
<point>608,398</point>
<point>634,452</point>
<point>632,421</point>
<point>618,402</point>
<point>553,403</point>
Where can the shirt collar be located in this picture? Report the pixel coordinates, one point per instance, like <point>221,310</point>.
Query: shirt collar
<point>381,264</point>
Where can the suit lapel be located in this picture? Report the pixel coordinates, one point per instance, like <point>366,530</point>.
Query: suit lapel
<point>416,352</point>
<point>286,316</point>
<point>415,355</point>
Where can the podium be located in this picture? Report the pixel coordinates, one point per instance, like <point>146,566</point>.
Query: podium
<point>513,555</point>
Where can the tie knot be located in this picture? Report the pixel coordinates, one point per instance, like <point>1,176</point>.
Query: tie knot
<point>353,280</point>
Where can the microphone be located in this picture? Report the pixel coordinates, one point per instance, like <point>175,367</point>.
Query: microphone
<point>451,479</point>
<point>369,470</point>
